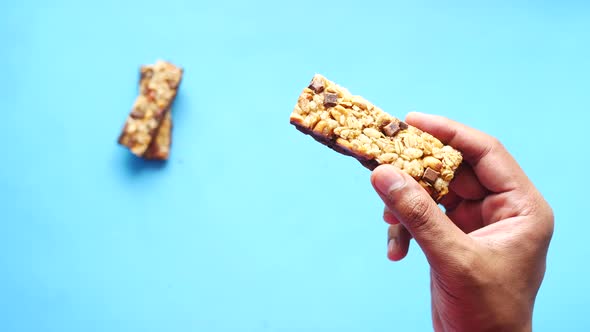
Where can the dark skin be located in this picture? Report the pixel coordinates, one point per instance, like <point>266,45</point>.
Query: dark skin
<point>487,253</point>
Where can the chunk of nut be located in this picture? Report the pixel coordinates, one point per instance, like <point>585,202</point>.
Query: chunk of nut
<point>427,148</point>
<point>353,123</point>
<point>359,102</point>
<point>381,144</point>
<point>342,110</point>
<point>433,163</point>
<point>345,145</point>
<point>335,114</point>
<point>388,148</point>
<point>312,119</point>
<point>332,124</point>
<point>322,128</point>
<point>364,139</point>
<point>312,105</point>
<point>374,150</point>
<point>437,153</point>
<point>410,141</point>
<point>414,168</point>
<point>342,120</point>
<point>413,153</point>
<point>440,185</point>
<point>372,132</point>
<point>399,163</point>
<point>435,142</point>
<point>296,118</point>
<point>388,157</point>
<point>398,147</point>
<point>447,174</point>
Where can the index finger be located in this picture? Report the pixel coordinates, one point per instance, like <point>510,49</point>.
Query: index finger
<point>495,168</point>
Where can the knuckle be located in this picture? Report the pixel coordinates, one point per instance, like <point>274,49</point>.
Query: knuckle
<point>466,266</point>
<point>549,224</point>
<point>495,143</point>
<point>550,214</point>
<point>545,217</point>
<point>494,146</point>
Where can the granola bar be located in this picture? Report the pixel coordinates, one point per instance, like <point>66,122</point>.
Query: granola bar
<point>157,89</point>
<point>353,126</point>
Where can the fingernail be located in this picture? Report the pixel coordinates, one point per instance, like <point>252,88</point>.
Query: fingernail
<point>388,181</point>
<point>393,242</point>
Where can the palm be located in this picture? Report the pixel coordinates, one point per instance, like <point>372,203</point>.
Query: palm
<point>492,229</point>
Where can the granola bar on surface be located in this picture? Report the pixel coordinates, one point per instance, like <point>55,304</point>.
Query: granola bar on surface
<point>142,132</point>
<point>353,126</point>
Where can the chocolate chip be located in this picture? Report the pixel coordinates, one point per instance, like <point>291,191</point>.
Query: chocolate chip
<point>391,129</point>
<point>403,125</point>
<point>330,100</point>
<point>136,114</point>
<point>430,175</point>
<point>317,86</point>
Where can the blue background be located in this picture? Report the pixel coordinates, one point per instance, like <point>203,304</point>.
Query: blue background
<point>252,226</point>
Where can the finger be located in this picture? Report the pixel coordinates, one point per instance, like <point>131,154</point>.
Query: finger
<point>388,217</point>
<point>398,242</point>
<point>467,216</point>
<point>415,209</point>
<point>450,200</point>
<point>466,185</point>
<point>494,166</point>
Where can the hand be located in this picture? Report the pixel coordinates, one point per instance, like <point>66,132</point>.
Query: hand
<point>487,254</point>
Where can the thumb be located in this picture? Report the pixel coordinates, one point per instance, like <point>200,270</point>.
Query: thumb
<point>436,234</point>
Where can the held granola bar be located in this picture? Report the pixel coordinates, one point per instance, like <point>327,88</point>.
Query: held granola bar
<point>353,126</point>
<point>157,89</point>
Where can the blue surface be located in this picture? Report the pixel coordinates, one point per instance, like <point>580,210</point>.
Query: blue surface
<point>252,226</point>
